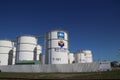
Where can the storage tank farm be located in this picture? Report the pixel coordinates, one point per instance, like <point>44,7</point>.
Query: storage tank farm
<point>26,50</point>
<point>26,45</point>
<point>83,56</point>
<point>6,49</point>
<point>56,47</point>
<point>23,53</point>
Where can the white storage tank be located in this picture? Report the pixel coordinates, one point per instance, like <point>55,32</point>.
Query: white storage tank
<point>39,52</point>
<point>6,46</point>
<point>79,57</point>
<point>26,45</point>
<point>83,56</point>
<point>14,54</point>
<point>56,47</point>
<point>88,54</point>
<point>71,58</point>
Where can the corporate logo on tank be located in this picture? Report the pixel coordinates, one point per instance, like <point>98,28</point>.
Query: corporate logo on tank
<point>60,35</point>
<point>61,43</point>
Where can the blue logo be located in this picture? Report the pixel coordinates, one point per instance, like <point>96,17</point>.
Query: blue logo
<point>60,35</point>
<point>61,43</point>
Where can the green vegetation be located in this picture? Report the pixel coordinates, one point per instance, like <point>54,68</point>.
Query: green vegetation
<point>114,74</point>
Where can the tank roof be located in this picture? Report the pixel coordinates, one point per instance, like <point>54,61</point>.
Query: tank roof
<point>71,53</point>
<point>26,35</point>
<point>57,30</point>
<point>6,40</point>
<point>80,51</point>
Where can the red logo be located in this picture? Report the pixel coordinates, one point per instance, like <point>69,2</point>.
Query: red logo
<point>61,43</point>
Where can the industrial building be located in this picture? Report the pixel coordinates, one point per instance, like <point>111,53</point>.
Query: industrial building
<point>28,53</point>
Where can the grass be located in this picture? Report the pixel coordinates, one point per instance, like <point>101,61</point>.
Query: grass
<point>114,74</point>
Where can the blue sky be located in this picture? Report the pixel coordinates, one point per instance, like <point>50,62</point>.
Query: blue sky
<point>92,24</point>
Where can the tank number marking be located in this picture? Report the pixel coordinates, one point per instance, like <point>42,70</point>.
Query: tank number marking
<point>56,59</point>
<point>82,60</point>
<point>60,49</point>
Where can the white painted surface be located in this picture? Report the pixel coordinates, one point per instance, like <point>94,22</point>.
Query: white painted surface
<point>55,52</point>
<point>39,51</point>
<point>5,47</point>
<point>25,47</point>
<point>83,56</point>
<point>14,54</point>
<point>71,57</point>
<point>81,67</point>
<point>27,39</point>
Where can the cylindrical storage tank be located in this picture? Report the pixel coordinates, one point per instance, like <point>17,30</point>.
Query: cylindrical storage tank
<point>79,57</point>
<point>26,45</point>
<point>6,46</point>
<point>56,47</point>
<point>83,56</point>
<point>88,55</point>
<point>71,58</point>
<point>39,52</point>
<point>14,53</point>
